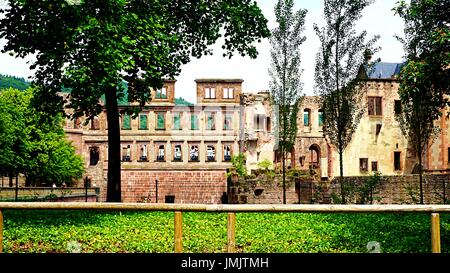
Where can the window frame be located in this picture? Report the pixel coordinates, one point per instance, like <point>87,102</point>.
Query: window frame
<point>190,145</point>
<point>224,144</point>
<point>161,94</point>
<point>194,116</point>
<point>126,158</point>
<point>91,150</point>
<point>214,145</point>
<point>141,154</point>
<point>174,145</point>
<point>209,92</point>
<point>230,116</point>
<point>374,99</point>
<point>174,115</point>
<point>157,115</point>
<point>146,123</point>
<point>157,150</point>
<point>399,161</point>
<point>207,116</point>
<point>363,164</point>
<point>228,93</point>
<point>122,126</point>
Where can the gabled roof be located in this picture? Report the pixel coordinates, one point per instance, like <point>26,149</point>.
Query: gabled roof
<point>386,70</point>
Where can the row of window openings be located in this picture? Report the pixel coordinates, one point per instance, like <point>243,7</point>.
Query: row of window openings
<point>364,163</point>
<point>227,93</point>
<point>161,122</point>
<point>161,153</point>
<point>307,117</point>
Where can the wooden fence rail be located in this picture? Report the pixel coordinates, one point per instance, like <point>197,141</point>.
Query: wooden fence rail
<point>434,211</point>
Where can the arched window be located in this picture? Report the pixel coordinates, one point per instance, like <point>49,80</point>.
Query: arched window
<point>314,151</point>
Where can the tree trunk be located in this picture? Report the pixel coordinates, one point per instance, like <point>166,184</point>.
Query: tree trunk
<point>283,158</point>
<point>420,178</point>
<point>113,193</point>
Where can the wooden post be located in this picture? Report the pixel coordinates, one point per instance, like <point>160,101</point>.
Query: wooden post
<point>435,234</point>
<point>178,232</point>
<point>231,232</point>
<point>1,232</point>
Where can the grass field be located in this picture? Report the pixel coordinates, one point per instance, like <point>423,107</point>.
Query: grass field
<point>91,231</point>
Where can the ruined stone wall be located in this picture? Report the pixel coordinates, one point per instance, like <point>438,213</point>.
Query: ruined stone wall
<point>402,189</point>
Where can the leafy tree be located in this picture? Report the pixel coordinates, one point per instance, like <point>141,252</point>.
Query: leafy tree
<point>238,162</point>
<point>341,55</point>
<point>424,80</point>
<point>285,73</point>
<point>39,151</point>
<point>92,46</point>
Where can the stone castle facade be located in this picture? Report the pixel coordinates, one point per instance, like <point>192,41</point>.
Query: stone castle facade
<point>173,153</point>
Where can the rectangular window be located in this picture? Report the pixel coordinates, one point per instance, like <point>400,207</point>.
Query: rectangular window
<point>210,152</point>
<point>169,199</point>
<point>320,118</point>
<point>160,121</point>
<point>210,121</point>
<point>374,166</point>
<point>143,122</point>
<point>177,152</point>
<point>126,122</point>
<point>95,124</point>
<point>306,118</point>
<point>227,152</point>
<point>143,152</point>
<point>77,123</point>
<point>268,124</point>
<point>375,108</point>
<point>193,152</point>
<point>160,152</point>
<point>260,121</point>
<point>176,121</point>
<point>397,165</point>
<point>210,93</point>
<point>94,156</point>
<point>228,122</point>
<point>161,93</point>
<point>363,162</point>
<point>228,93</point>
<point>397,107</point>
<point>126,153</point>
<point>194,121</point>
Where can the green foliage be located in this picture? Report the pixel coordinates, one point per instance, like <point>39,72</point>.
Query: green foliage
<point>13,82</point>
<point>265,165</point>
<point>38,150</point>
<point>182,101</point>
<point>425,77</point>
<point>152,232</point>
<point>238,162</point>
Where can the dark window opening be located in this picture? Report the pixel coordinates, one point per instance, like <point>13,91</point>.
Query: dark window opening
<point>169,199</point>
<point>363,162</point>
<point>374,166</point>
<point>210,153</point>
<point>95,124</point>
<point>397,107</point>
<point>397,165</point>
<point>94,156</point>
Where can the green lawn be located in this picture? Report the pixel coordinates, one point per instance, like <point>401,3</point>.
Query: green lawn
<point>91,231</point>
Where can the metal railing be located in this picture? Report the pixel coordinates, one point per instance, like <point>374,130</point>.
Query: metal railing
<point>46,193</point>
<point>178,209</point>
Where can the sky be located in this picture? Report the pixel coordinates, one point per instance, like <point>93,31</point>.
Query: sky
<point>378,18</point>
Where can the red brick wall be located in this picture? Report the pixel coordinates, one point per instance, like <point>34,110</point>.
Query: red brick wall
<point>206,186</point>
